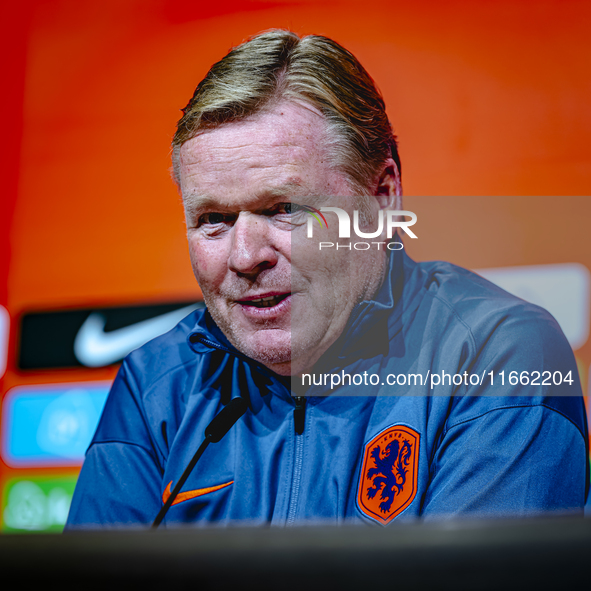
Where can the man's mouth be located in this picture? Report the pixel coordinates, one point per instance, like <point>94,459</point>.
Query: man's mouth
<point>265,302</point>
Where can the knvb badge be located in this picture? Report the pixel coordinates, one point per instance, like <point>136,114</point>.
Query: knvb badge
<point>388,479</point>
<point>391,219</point>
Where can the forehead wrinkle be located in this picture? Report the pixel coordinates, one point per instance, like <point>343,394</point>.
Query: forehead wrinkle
<point>251,161</point>
<point>261,159</point>
<point>287,189</point>
<point>291,188</point>
<point>282,140</point>
<point>294,152</point>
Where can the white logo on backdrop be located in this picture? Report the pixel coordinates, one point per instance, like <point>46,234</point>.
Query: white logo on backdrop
<point>94,347</point>
<point>4,331</point>
<point>562,289</point>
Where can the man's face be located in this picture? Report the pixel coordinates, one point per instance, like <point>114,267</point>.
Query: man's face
<point>276,297</point>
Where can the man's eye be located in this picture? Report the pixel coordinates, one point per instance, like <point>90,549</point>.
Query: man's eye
<point>288,208</point>
<point>213,218</point>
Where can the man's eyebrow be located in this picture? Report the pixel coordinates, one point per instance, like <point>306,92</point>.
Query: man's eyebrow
<point>196,201</point>
<point>289,190</point>
<point>294,190</point>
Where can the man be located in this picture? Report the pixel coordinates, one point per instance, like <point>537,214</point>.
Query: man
<point>348,357</point>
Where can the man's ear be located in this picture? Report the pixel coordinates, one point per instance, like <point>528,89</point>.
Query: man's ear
<point>389,188</point>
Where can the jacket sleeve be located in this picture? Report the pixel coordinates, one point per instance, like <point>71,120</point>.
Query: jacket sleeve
<point>519,446</point>
<point>120,479</point>
<point>511,461</point>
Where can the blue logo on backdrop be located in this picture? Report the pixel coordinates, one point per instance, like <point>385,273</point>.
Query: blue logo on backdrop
<point>51,425</point>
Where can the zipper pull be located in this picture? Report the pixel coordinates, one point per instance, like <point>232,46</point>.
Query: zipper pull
<point>299,414</point>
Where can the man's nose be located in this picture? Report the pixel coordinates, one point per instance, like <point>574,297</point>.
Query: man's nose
<point>252,249</point>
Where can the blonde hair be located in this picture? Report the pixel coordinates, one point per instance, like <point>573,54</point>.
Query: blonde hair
<point>314,70</point>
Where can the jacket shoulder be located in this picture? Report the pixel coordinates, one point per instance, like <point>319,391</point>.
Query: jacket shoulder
<point>166,352</point>
<point>484,308</point>
<point>517,347</point>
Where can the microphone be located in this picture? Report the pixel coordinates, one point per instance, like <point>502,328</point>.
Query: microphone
<point>224,420</point>
<point>218,427</point>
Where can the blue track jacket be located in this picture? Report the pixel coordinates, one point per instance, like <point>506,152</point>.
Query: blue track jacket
<point>377,454</point>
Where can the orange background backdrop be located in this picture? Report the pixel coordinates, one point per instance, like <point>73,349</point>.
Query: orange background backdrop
<point>487,99</point>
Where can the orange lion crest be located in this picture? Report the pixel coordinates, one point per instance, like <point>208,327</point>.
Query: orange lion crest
<point>388,481</point>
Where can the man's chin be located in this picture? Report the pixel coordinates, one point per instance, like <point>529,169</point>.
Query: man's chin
<point>272,348</point>
<point>271,356</point>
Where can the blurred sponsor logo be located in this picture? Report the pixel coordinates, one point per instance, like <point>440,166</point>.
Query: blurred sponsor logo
<point>50,425</point>
<point>37,503</point>
<point>4,332</point>
<point>563,290</point>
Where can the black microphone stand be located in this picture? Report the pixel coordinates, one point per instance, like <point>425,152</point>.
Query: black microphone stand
<point>218,427</point>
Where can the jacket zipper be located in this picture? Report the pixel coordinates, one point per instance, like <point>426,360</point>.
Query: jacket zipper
<point>299,419</point>
<point>299,414</point>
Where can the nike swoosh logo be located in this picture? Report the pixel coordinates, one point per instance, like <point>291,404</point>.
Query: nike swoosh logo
<point>94,347</point>
<point>192,494</point>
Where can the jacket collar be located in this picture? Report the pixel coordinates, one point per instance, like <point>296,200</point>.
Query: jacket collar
<point>367,332</point>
